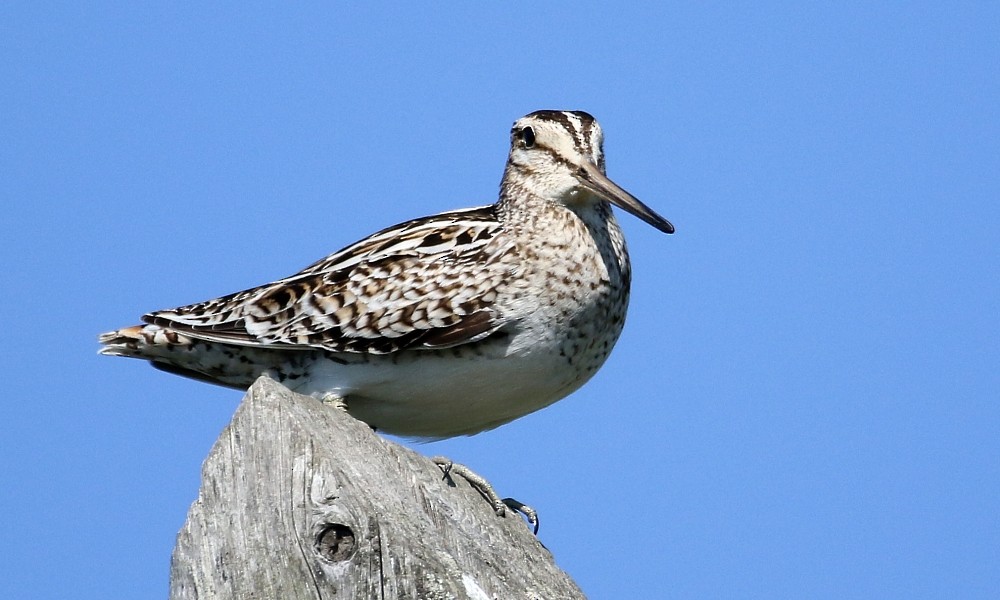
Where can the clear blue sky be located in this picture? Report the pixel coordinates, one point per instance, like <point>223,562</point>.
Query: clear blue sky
<point>804,403</point>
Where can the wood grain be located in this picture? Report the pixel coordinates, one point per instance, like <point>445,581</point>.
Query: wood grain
<point>299,500</point>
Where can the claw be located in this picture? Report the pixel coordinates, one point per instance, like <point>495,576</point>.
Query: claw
<point>529,513</point>
<point>479,483</point>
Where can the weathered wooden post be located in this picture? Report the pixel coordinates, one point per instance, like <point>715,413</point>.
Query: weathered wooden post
<point>300,501</point>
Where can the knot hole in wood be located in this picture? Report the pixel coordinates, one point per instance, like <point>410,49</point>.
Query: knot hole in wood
<point>336,542</point>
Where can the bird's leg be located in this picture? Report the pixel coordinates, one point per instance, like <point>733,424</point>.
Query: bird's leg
<point>479,483</point>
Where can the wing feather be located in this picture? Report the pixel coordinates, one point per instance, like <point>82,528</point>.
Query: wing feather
<point>408,286</point>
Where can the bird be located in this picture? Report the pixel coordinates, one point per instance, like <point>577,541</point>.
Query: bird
<point>441,326</point>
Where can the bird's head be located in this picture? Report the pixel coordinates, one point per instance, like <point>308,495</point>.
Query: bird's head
<point>560,154</point>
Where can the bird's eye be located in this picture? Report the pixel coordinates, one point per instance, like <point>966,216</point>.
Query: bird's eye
<point>528,137</point>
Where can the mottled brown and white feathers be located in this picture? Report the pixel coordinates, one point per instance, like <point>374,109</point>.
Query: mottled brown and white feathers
<point>427,283</point>
<point>443,325</point>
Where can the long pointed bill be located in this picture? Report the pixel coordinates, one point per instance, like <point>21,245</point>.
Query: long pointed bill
<point>598,183</point>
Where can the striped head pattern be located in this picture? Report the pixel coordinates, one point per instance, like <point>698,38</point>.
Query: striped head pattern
<point>560,154</point>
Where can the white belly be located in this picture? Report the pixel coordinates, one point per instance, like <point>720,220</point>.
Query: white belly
<point>438,394</point>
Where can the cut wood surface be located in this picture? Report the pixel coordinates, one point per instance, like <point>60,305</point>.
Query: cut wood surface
<point>300,500</point>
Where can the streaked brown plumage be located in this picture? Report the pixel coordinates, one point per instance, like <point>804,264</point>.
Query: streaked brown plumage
<point>440,326</point>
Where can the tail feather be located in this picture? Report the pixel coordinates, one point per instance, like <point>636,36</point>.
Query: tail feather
<point>168,350</point>
<point>142,341</point>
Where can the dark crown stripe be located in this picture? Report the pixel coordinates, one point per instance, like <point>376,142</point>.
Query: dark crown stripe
<point>578,123</point>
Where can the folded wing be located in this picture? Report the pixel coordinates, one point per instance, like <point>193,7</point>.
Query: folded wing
<point>408,286</point>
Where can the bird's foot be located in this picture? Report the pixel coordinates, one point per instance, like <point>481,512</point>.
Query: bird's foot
<point>479,483</point>
<point>336,401</point>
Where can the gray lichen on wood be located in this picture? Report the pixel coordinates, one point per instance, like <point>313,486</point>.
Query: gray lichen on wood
<point>299,500</point>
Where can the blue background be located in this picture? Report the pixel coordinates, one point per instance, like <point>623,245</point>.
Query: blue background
<point>804,402</point>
